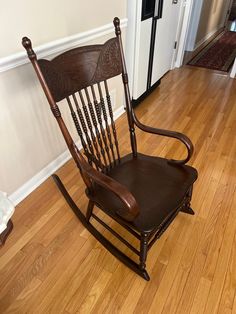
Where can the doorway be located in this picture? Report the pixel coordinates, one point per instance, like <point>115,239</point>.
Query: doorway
<point>205,39</point>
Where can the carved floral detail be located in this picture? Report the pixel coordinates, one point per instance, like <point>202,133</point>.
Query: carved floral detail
<point>109,63</point>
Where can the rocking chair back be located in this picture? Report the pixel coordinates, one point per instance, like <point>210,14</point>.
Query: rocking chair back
<point>81,77</point>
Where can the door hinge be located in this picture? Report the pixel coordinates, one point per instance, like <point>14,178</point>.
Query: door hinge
<point>175,46</point>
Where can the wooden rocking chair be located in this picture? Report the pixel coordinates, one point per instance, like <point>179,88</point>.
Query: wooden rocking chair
<point>142,193</point>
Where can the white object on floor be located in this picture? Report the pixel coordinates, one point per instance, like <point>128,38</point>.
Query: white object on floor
<point>6,210</point>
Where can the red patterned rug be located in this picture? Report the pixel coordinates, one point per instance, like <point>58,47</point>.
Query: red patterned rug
<point>219,54</point>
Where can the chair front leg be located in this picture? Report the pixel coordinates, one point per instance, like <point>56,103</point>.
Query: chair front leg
<point>143,251</point>
<point>187,203</point>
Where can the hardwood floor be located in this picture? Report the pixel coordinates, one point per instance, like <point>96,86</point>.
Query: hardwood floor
<point>50,264</point>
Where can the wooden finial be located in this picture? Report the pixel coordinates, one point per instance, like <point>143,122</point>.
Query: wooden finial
<point>26,42</point>
<point>116,23</point>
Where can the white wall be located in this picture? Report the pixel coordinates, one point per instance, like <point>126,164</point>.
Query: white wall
<point>30,138</point>
<point>45,21</point>
<point>212,18</point>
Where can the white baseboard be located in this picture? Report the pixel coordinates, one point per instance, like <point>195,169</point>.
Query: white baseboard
<point>200,42</point>
<point>58,46</point>
<point>46,172</point>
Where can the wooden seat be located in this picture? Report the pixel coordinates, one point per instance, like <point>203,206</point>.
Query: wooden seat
<point>158,187</point>
<point>141,193</point>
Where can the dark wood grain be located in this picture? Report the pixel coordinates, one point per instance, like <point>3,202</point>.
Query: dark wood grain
<point>81,67</point>
<point>99,117</point>
<point>108,132</point>
<point>109,104</point>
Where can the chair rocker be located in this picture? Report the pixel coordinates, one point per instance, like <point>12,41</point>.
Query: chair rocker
<point>141,193</point>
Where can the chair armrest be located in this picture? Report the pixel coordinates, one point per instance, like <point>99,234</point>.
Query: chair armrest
<point>131,209</point>
<point>179,136</point>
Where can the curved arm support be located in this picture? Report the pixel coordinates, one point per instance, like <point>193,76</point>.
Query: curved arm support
<point>179,136</point>
<point>131,209</point>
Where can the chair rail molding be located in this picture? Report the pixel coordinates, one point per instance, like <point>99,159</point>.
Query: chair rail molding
<point>58,46</point>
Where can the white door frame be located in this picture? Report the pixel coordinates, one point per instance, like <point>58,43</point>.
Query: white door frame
<point>130,43</point>
<point>229,6</point>
<point>187,8</point>
<point>233,71</point>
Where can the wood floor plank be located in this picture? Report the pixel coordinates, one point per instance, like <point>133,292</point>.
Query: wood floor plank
<point>95,292</point>
<point>229,290</point>
<point>223,262</point>
<point>187,261</point>
<point>201,296</point>
<point>4,259</point>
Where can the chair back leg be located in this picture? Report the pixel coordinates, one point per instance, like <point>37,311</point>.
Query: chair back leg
<point>89,210</point>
